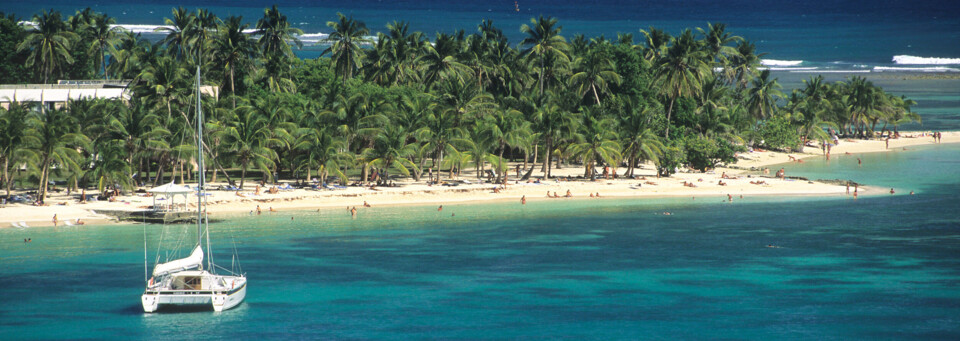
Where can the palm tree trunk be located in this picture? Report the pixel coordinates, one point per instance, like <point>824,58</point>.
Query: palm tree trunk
<point>666,135</point>
<point>547,156</point>
<point>233,90</point>
<point>595,94</point>
<point>103,62</point>
<point>6,175</point>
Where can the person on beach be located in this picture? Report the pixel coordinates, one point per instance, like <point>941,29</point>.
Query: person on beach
<point>848,188</point>
<point>54,220</point>
<point>79,222</point>
<point>887,141</point>
<point>365,204</point>
<point>258,190</point>
<point>548,195</point>
<point>569,195</point>
<point>83,196</point>
<point>598,194</point>
<point>258,210</point>
<point>783,174</point>
<point>523,200</point>
<point>271,209</point>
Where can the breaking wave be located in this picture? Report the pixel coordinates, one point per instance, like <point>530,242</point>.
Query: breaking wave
<point>774,62</point>
<point>914,60</point>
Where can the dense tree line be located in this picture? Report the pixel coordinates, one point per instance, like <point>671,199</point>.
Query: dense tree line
<point>401,102</point>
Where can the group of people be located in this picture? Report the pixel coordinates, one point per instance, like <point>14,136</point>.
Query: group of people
<point>568,195</point>
<point>937,137</point>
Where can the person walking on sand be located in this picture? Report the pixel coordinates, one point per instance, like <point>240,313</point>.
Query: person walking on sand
<point>54,220</point>
<point>887,141</point>
<point>523,200</point>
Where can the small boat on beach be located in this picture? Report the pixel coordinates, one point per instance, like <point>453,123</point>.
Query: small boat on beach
<point>185,282</point>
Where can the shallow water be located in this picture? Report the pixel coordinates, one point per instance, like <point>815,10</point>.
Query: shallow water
<point>878,267</point>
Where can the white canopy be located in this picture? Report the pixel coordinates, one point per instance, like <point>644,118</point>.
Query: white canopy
<point>171,188</point>
<point>192,261</point>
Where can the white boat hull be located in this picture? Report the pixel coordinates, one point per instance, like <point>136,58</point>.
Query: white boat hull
<point>220,300</point>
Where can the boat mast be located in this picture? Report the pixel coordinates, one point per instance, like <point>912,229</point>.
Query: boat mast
<point>200,179</point>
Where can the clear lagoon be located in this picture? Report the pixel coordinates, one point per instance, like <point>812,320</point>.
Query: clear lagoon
<point>881,267</point>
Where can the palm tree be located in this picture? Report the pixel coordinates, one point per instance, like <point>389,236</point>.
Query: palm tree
<point>656,42</point>
<point>202,32</point>
<point>551,122</point>
<point>595,72</point>
<point>742,66</point>
<point>391,149</point>
<point>49,44</point>
<point>508,128</point>
<point>250,141</point>
<point>13,144</point>
<point>440,62</point>
<point>166,83</point>
<point>345,41</point>
<point>105,38</point>
<point>177,29</point>
<point>717,42</point>
<point>276,34</point>
<point>680,71</point>
<point>596,141</point>
<point>543,40</point>
<point>54,138</point>
<point>441,134</point>
<point>324,151</point>
<point>762,98</point>
<point>234,50</point>
<point>639,140</point>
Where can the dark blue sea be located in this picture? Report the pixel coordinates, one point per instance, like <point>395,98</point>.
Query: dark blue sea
<point>890,42</point>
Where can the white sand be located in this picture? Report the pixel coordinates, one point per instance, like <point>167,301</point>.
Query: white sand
<point>409,193</point>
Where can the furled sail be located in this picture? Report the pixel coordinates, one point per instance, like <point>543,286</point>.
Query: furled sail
<point>192,261</point>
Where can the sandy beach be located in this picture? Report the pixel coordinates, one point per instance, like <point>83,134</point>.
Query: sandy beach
<point>741,179</point>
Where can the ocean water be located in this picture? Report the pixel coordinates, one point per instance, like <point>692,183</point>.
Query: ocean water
<point>847,32</point>
<point>801,38</point>
<point>881,267</point>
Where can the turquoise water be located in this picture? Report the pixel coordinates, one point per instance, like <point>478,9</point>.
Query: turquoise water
<point>881,267</point>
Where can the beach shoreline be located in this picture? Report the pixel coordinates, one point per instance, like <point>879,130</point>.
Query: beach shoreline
<point>742,178</point>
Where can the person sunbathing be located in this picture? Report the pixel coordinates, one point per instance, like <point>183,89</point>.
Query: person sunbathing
<point>721,183</point>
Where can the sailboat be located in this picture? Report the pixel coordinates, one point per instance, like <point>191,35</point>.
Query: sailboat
<point>185,281</point>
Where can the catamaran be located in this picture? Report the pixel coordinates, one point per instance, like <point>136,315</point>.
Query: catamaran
<point>185,281</point>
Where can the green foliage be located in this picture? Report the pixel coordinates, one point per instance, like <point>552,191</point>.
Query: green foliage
<point>12,68</point>
<point>778,134</point>
<point>410,101</point>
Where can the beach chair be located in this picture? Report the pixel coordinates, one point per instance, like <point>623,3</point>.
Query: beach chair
<point>24,224</point>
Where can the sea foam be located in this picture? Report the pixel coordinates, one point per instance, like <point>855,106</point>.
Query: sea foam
<point>914,69</point>
<point>914,60</point>
<point>774,62</point>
